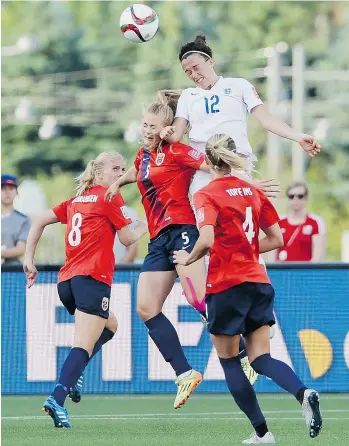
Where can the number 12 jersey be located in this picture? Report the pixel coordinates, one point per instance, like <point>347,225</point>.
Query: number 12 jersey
<point>90,234</point>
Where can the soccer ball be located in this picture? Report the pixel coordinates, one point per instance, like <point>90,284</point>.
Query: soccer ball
<point>139,23</point>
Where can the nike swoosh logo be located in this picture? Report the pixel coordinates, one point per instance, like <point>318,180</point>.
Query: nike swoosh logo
<point>194,93</point>
<point>185,247</point>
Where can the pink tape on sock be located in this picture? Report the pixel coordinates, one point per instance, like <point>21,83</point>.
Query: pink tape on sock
<point>199,306</point>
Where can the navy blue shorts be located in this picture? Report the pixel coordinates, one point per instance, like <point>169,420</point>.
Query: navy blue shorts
<point>172,238</point>
<point>240,309</point>
<point>85,294</point>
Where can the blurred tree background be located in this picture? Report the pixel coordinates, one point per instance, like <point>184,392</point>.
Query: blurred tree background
<point>94,83</point>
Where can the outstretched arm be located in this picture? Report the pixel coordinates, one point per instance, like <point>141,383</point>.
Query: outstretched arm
<point>275,125</point>
<point>128,177</point>
<point>175,132</point>
<point>37,228</point>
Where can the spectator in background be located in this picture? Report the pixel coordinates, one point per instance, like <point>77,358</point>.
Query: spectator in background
<point>14,225</point>
<point>304,233</point>
<point>126,254</point>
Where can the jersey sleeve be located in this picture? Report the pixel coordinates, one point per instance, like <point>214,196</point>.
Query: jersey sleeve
<point>187,156</point>
<point>250,95</point>
<point>319,225</point>
<point>117,213</point>
<point>206,210</point>
<point>61,212</point>
<point>182,107</point>
<point>138,159</point>
<point>268,215</point>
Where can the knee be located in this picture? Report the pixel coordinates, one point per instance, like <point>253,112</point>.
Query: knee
<point>145,312</point>
<point>112,322</point>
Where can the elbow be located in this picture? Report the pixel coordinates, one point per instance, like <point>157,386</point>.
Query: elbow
<point>38,222</point>
<point>279,242</point>
<point>127,240</point>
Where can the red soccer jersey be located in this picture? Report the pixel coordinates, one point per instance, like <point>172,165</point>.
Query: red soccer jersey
<point>163,180</point>
<point>89,237</point>
<point>236,210</point>
<point>298,239</point>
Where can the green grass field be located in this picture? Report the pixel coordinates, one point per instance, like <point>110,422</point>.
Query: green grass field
<point>151,420</point>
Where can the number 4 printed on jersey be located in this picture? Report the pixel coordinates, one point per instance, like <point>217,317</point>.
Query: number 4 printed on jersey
<point>248,224</point>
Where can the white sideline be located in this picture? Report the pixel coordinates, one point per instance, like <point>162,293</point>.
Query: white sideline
<point>182,416</point>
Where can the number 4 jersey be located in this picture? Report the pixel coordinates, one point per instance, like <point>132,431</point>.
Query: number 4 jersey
<point>89,237</point>
<point>236,210</point>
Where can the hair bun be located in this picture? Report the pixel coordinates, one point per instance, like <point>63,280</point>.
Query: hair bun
<point>200,38</point>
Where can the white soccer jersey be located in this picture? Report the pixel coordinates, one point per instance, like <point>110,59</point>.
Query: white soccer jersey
<point>222,109</point>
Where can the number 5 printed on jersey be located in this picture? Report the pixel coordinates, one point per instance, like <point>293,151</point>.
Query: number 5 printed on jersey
<point>74,236</point>
<point>211,104</point>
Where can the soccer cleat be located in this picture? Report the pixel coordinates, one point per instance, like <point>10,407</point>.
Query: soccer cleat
<point>254,439</point>
<point>186,386</point>
<point>76,392</point>
<point>203,317</point>
<point>311,412</point>
<point>58,413</point>
<point>250,373</point>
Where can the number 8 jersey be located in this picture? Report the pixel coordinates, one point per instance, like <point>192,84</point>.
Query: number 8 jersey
<point>236,210</point>
<point>90,234</point>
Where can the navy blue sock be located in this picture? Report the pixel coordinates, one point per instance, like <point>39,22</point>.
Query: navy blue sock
<point>106,336</point>
<point>242,390</point>
<point>279,372</point>
<point>166,339</point>
<point>72,368</point>
<point>242,348</point>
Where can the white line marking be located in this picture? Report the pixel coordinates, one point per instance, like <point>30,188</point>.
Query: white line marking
<point>178,416</point>
<point>162,396</point>
<point>169,418</point>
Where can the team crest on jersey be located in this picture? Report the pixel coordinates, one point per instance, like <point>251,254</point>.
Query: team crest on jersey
<point>159,158</point>
<point>307,229</point>
<point>227,91</point>
<point>105,303</point>
<point>194,154</point>
<point>200,215</point>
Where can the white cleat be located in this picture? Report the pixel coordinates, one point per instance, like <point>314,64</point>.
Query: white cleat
<point>311,412</point>
<point>250,373</point>
<point>254,439</point>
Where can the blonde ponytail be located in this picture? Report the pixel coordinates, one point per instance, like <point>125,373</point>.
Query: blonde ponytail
<point>166,104</point>
<point>88,177</point>
<point>221,152</point>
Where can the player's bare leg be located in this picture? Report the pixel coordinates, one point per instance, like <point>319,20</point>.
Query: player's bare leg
<point>153,289</point>
<point>193,281</point>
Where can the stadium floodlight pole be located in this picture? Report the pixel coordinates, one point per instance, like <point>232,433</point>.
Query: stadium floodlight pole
<point>298,69</point>
<point>272,73</point>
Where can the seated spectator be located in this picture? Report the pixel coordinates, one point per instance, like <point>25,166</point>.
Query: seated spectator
<point>126,254</point>
<point>304,233</point>
<point>14,225</point>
